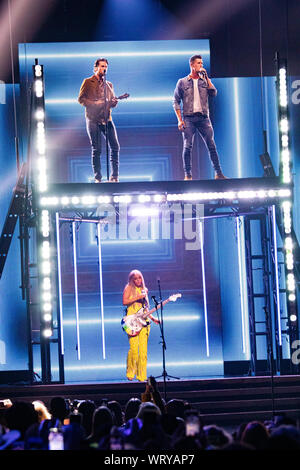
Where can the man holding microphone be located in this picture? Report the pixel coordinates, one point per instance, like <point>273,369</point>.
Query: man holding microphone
<point>192,93</point>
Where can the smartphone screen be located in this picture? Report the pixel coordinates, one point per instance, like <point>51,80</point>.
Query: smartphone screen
<point>56,441</point>
<point>192,426</point>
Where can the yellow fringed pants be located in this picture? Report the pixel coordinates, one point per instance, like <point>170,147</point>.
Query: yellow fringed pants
<point>137,355</point>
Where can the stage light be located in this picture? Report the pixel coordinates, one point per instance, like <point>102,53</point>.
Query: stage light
<point>47,333</point>
<point>288,243</point>
<point>292,297</point>
<point>144,198</point>
<point>143,211</point>
<point>38,70</point>
<point>291,285</point>
<point>75,200</point>
<point>287,217</point>
<point>45,249</point>
<point>39,88</point>
<point>283,97</point>
<point>284,141</point>
<point>47,297</point>
<point>65,201</point>
<point>293,318</point>
<point>60,301</point>
<point>45,223</point>
<point>284,193</point>
<point>42,164</point>
<point>47,317</point>
<point>39,129</point>
<point>124,199</point>
<point>47,307</point>
<point>246,194</point>
<point>40,114</point>
<point>284,125</point>
<point>283,122</point>
<point>145,53</point>
<point>103,199</point>
<point>88,200</point>
<point>46,283</point>
<point>94,200</point>
<point>46,267</point>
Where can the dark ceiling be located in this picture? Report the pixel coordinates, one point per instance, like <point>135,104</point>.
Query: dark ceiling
<point>244,34</point>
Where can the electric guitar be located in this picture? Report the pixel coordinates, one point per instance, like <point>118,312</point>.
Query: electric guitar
<point>133,324</point>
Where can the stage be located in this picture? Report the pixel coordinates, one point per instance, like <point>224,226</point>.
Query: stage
<point>227,246</point>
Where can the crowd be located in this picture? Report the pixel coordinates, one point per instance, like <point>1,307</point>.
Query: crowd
<point>148,423</point>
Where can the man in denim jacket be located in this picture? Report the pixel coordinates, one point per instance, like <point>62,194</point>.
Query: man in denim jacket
<point>193,91</point>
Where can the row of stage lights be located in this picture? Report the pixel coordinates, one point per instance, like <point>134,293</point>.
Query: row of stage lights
<point>286,177</point>
<point>47,203</point>
<point>92,200</point>
<point>40,180</point>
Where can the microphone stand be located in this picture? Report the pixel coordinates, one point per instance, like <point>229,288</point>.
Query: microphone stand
<point>106,124</point>
<point>164,347</point>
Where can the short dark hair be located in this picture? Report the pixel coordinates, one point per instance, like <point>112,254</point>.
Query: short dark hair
<point>100,60</point>
<point>194,57</point>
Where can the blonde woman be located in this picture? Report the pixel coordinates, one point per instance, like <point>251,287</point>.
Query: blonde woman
<point>42,410</point>
<point>135,296</point>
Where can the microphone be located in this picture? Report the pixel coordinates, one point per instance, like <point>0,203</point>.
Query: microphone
<point>154,299</point>
<point>203,72</point>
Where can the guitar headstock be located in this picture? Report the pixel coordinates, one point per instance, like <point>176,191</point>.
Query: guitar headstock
<point>174,297</point>
<point>123,97</point>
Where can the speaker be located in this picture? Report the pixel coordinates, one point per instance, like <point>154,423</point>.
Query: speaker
<point>8,377</point>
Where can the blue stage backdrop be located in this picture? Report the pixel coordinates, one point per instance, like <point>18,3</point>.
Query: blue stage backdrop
<point>151,150</point>
<point>13,330</point>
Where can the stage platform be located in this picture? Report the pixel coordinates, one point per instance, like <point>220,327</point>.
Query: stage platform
<point>226,192</point>
<point>223,401</point>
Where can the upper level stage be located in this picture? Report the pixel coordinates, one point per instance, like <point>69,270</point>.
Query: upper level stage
<point>245,192</point>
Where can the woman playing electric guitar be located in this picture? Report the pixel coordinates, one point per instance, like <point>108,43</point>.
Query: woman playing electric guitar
<point>135,296</point>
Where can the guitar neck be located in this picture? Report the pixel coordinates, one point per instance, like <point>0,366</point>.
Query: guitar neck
<point>158,306</point>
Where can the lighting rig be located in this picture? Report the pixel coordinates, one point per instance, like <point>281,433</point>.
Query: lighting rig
<point>286,177</point>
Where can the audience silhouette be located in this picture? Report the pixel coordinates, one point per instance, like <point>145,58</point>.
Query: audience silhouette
<point>147,424</point>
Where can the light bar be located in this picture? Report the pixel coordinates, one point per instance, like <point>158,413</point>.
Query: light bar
<point>285,173</point>
<point>283,124</point>
<point>201,233</point>
<point>76,200</point>
<point>59,275</point>
<point>87,55</point>
<point>277,290</point>
<point>45,269</point>
<point>76,290</point>
<point>39,163</point>
<point>101,289</point>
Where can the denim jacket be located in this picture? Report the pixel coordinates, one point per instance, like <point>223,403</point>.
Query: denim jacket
<point>184,92</point>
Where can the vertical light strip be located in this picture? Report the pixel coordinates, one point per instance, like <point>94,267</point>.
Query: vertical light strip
<point>62,349</point>
<point>237,126</point>
<point>276,274</point>
<point>201,230</point>
<point>101,289</point>
<point>76,289</point>
<point>243,284</point>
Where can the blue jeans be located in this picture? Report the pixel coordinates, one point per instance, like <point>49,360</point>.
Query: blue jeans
<point>203,125</point>
<point>94,130</point>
